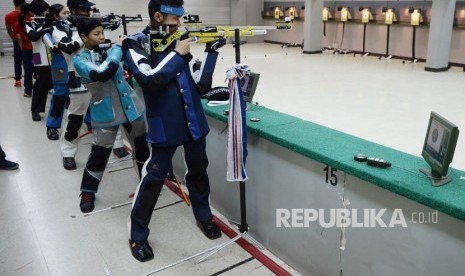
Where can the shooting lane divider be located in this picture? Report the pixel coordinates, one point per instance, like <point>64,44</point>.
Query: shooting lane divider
<point>413,60</point>
<point>388,32</point>
<point>125,204</point>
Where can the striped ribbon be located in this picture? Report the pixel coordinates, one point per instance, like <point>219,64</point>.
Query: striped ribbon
<point>237,128</point>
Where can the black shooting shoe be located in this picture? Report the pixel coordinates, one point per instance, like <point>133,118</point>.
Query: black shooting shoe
<point>52,133</point>
<point>69,163</point>
<point>87,203</point>
<point>36,116</point>
<point>141,250</point>
<point>8,165</point>
<point>209,229</point>
<point>120,152</point>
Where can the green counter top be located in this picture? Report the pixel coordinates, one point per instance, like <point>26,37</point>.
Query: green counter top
<point>337,149</point>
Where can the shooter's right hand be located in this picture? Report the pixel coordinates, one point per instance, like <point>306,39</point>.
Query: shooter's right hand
<point>183,47</point>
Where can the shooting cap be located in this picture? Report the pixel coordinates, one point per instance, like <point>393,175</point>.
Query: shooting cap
<point>173,7</point>
<point>80,4</point>
<point>86,24</point>
<point>38,7</point>
<point>179,11</point>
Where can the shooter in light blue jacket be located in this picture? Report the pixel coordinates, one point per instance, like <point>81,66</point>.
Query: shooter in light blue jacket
<point>113,103</point>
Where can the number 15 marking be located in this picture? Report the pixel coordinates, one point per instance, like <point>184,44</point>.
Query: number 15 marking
<point>331,176</point>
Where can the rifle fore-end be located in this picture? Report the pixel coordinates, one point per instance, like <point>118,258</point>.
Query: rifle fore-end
<point>202,35</point>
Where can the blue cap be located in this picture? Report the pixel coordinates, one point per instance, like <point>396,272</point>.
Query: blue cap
<point>179,11</point>
<point>82,4</point>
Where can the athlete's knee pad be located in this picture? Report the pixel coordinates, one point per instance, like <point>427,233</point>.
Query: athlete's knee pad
<point>58,106</point>
<point>90,181</point>
<point>98,158</point>
<point>74,124</point>
<point>141,151</point>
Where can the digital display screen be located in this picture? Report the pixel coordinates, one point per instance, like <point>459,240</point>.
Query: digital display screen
<point>249,85</point>
<point>436,143</point>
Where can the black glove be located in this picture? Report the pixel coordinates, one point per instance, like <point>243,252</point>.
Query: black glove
<point>102,49</point>
<point>55,49</point>
<point>74,19</point>
<point>187,57</point>
<point>106,74</point>
<point>214,45</point>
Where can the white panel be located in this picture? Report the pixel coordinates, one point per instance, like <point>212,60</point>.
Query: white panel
<point>210,11</point>
<point>5,7</point>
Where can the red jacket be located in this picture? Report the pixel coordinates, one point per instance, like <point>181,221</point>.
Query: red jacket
<point>11,19</point>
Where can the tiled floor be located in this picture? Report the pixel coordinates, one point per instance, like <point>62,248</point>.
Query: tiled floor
<point>43,232</point>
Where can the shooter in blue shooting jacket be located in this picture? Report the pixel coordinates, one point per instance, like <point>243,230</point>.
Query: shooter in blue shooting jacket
<point>172,89</point>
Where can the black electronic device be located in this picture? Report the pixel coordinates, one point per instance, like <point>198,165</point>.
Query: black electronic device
<point>249,84</point>
<point>438,148</point>
<point>378,162</point>
<point>372,161</point>
<point>360,157</point>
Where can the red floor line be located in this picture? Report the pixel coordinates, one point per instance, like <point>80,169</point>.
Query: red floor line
<point>128,149</point>
<point>85,134</point>
<point>265,260</point>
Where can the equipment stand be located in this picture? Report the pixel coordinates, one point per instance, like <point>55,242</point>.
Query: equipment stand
<point>364,37</point>
<point>436,179</point>
<point>364,54</point>
<point>340,50</point>
<point>242,226</point>
<point>387,56</point>
<point>414,60</point>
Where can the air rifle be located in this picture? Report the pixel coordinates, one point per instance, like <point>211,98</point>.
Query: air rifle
<point>113,21</point>
<point>160,39</point>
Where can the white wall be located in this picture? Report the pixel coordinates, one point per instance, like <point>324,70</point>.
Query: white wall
<point>210,11</point>
<point>244,13</point>
<point>279,178</point>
